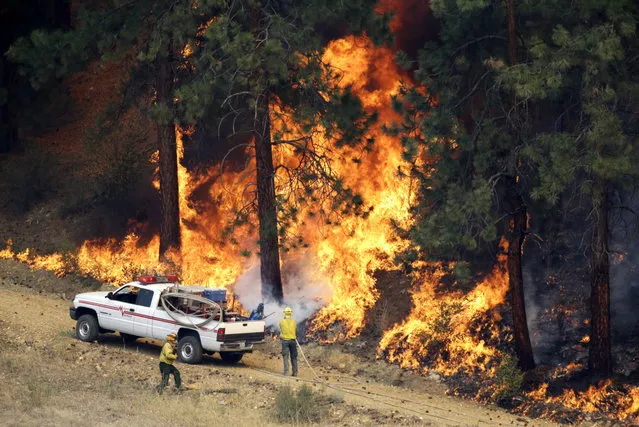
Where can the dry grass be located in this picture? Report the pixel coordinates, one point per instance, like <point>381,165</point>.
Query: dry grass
<point>40,389</point>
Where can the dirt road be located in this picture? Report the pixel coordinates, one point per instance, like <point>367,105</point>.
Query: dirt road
<point>51,378</point>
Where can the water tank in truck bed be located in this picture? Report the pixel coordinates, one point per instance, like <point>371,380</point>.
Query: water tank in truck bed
<point>217,295</point>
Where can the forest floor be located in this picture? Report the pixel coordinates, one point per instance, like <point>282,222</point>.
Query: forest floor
<point>51,378</point>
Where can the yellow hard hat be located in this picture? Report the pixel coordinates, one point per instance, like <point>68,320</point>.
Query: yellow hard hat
<point>288,310</point>
<point>171,337</point>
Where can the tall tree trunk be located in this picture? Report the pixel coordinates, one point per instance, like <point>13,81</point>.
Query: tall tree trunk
<point>523,346</point>
<point>600,354</point>
<point>167,147</point>
<point>267,209</point>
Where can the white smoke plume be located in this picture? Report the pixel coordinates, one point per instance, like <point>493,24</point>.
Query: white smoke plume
<point>301,292</point>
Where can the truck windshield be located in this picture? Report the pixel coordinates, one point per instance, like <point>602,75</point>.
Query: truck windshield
<point>134,295</point>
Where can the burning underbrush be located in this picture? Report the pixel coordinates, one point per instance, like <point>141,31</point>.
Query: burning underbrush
<point>579,397</point>
<point>466,338</point>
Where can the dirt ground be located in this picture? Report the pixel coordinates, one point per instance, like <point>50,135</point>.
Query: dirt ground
<point>51,378</point>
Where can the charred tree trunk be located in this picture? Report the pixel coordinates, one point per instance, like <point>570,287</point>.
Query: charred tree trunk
<point>267,209</point>
<point>167,147</point>
<point>523,346</point>
<point>600,354</point>
<point>519,219</point>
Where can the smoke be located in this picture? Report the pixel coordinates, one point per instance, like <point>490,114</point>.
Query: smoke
<point>624,293</point>
<point>304,294</point>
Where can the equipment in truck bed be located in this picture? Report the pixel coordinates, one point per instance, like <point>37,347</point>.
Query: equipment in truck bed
<point>206,305</point>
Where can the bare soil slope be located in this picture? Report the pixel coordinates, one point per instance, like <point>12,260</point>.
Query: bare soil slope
<point>51,378</point>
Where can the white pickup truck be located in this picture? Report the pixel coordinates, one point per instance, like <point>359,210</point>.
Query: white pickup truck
<point>146,308</point>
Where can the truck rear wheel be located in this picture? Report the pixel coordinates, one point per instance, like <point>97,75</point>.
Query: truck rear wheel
<point>189,349</point>
<point>87,328</point>
<point>231,356</point>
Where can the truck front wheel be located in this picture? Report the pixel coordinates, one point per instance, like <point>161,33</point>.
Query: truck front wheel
<point>231,356</point>
<point>190,349</point>
<point>87,328</point>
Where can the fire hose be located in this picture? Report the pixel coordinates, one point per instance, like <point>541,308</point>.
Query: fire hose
<point>378,397</point>
<point>186,319</point>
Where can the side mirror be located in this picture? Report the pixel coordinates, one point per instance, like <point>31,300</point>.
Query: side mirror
<point>109,295</point>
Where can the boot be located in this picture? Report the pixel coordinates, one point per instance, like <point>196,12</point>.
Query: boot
<point>285,365</point>
<point>294,363</point>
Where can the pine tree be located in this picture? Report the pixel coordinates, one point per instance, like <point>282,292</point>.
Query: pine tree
<point>258,55</point>
<point>465,137</point>
<point>583,73</point>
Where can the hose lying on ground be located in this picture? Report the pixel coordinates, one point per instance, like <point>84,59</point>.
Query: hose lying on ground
<point>384,398</point>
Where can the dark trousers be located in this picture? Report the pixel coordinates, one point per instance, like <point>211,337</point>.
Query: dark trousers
<point>167,370</point>
<point>289,348</point>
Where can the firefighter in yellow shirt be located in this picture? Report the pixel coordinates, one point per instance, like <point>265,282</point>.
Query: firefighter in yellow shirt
<point>167,357</point>
<point>288,335</point>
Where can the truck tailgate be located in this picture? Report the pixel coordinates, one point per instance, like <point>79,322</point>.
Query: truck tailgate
<point>241,331</point>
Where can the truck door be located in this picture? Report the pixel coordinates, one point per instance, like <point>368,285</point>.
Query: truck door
<point>143,313</point>
<point>124,300</point>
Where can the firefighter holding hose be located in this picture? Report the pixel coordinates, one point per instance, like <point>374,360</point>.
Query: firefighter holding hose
<point>288,335</point>
<point>167,357</point>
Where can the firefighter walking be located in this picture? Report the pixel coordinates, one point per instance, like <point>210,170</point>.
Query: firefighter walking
<point>167,357</point>
<point>288,336</point>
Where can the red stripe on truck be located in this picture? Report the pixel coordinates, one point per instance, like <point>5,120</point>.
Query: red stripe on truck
<point>132,313</point>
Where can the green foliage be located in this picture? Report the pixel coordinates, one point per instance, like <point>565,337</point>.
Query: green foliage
<point>582,69</point>
<point>459,127</point>
<point>508,378</point>
<point>460,219</point>
<point>298,407</point>
<point>65,53</point>
<point>555,120</point>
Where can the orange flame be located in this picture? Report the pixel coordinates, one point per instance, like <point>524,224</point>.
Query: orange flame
<point>54,262</point>
<point>602,398</point>
<point>344,257</point>
<point>442,324</point>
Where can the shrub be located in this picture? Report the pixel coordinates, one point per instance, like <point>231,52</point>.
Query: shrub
<point>301,407</point>
<point>508,378</point>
